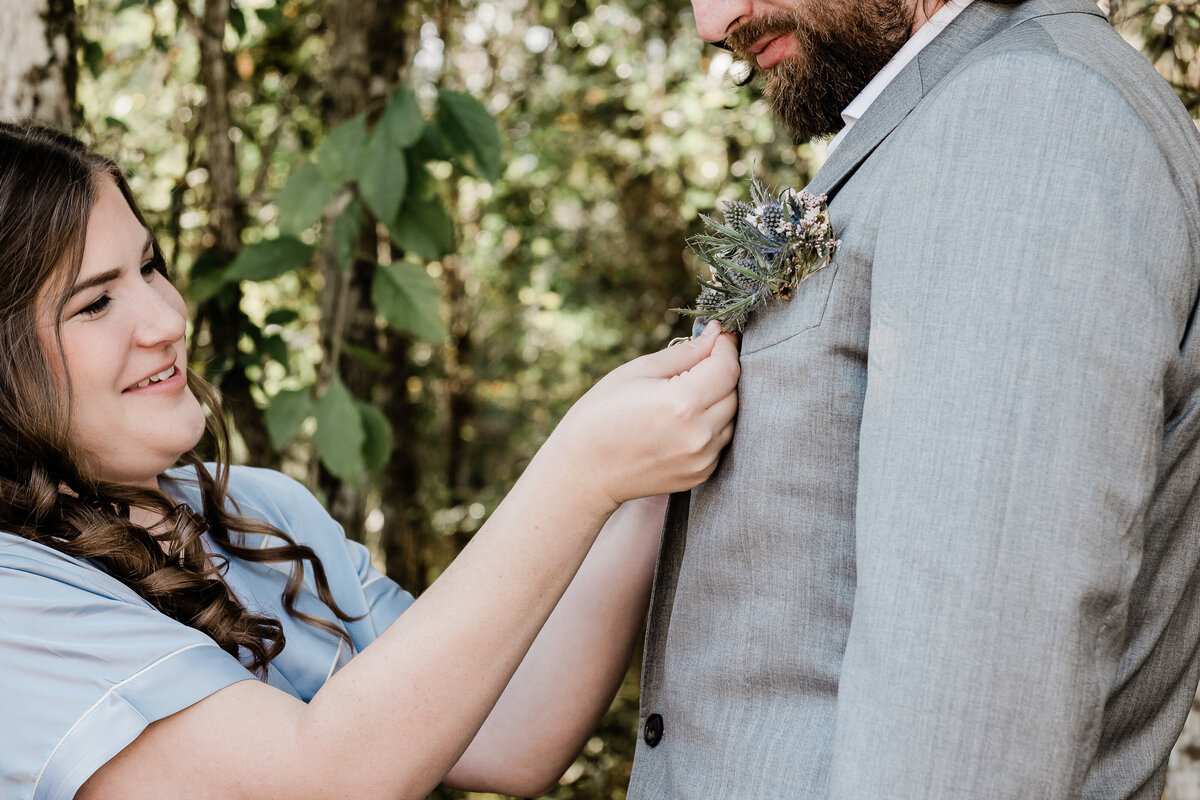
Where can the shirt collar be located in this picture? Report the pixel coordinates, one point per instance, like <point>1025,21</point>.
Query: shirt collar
<point>924,35</point>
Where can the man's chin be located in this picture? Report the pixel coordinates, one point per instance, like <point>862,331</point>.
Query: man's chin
<point>802,115</point>
<point>836,53</point>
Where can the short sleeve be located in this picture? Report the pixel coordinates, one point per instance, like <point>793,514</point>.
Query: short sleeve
<point>87,665</point>
<point>360,589</point>
<point>385,600</point>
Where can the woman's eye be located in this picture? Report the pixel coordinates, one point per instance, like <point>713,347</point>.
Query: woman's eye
<point>152,266</point>
<point>96,306</point>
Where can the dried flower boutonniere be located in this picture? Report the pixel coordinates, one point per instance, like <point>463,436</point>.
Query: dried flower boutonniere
<point>761,251</point>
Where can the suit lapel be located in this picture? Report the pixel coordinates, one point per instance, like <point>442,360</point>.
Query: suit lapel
<point>976,24</point>
<point>666,580</point>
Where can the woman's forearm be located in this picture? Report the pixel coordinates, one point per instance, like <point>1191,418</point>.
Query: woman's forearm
<point>566,682</point>
<point>457,646</point>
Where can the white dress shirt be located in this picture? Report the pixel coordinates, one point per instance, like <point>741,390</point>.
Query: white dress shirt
<point>924,35</point>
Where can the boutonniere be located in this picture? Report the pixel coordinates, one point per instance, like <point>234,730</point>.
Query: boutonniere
<point>762,251</point>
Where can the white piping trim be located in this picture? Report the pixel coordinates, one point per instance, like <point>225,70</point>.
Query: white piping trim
<point>336,656</point>
<point>104,697</point>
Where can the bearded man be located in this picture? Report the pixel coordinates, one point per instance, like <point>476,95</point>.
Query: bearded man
<point>952,551</point>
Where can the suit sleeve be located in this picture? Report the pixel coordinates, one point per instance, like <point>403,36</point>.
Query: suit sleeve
<point>1029,293</point>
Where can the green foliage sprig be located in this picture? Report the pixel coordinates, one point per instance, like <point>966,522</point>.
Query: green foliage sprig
<point>368,171</point>
<point>761,251</point>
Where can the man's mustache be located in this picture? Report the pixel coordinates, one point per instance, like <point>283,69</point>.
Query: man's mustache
<point>748,33</point>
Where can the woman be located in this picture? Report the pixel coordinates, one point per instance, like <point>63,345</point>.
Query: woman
<point>144,609</point>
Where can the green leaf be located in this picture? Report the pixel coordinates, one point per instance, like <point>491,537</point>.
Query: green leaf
<point>114,122</point>
<point>401,120</point>
<point>431,146</point>
<point>340,154</point>
<point>127,4</point>
<point>93,56</point>
<point>346,230</point>
<point>285,413</point>
<point>384,177</point>
<point>340,433</point>
<point>206,277</point>
<point>470,131</point>
<point>303,198</point>
<point>421,182</point>
<point>268,259</point>
<point>423,227</point>
<point>237,21</point>
<point>271,16</point>
<point>408,299</point>
<point>281,316</point>
<point>275,348</point>
<point>378,443</point>
<point>367,357</point>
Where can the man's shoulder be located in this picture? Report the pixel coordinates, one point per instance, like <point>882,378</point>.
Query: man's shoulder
<point>1031,56</point>
<point>1025,133</point>
<point>1034,91</point>
<point>1065,59</point>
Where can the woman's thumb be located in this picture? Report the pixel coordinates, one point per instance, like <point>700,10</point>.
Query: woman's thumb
<point>681,357</point>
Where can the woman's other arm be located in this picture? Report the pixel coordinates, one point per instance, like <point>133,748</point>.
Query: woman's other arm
<point>393,721</point>
<point>566,682</point>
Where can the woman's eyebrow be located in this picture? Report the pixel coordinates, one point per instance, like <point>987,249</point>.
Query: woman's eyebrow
<point>95,280</point>
<point>107,275</point>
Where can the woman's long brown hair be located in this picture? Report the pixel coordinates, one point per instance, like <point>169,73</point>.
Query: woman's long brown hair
<point>48,185</point>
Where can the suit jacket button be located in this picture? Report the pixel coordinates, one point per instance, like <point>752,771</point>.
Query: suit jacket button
<point>654,730</point>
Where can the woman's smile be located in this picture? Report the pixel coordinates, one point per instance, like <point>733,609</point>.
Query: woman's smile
<point>170,379</point>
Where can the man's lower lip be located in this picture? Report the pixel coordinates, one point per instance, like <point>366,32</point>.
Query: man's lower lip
<point>776,50</point>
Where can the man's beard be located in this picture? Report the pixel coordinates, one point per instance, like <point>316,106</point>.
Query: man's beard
<point>843,44</point>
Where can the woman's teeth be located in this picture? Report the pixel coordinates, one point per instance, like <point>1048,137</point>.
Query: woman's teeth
<point>162,376</point>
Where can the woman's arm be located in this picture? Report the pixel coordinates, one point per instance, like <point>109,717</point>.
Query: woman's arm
<point>394,720</point>
<point>566,682</point>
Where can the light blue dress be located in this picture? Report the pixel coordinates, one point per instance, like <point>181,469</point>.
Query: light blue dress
<point>86,663</point>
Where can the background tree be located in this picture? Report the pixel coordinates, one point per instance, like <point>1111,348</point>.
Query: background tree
<point>40,41</point>
<point>415,230</point>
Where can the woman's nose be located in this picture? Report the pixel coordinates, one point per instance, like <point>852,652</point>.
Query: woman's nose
<point>159,322</point>
<point>716,18</point>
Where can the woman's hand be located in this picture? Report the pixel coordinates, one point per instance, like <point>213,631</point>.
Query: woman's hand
<point>656,424</point>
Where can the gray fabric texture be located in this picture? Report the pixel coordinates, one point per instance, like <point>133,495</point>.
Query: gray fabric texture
<point>952,550</point>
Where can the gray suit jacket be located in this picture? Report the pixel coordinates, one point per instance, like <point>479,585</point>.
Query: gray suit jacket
<point>952,551</point>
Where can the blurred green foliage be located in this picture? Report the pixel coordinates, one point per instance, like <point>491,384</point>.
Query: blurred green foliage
<point>445,235</point>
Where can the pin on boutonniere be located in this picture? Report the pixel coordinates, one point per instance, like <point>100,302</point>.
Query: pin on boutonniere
<point>762,251</point>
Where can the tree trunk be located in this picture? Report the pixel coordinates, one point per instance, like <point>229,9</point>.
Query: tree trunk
<point>38,73</point>
<point>346,315</point>
<point>407,529</point>
<point>226,219</point>
<point>368,54</point>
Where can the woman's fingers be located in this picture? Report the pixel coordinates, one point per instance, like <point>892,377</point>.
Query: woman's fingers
<point>715,376</point>
<point>658,423</point>
<point>719,421</point>
<point>672,361</point>
<point>721,413</point>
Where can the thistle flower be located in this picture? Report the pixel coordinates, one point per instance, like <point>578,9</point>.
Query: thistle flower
<point>735,215</point>
<point>763,250</point>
